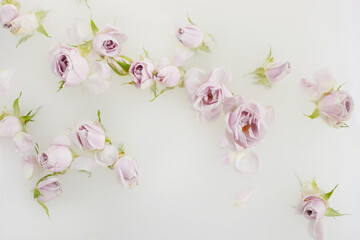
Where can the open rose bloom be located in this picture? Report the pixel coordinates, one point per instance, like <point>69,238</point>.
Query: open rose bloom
<point>335,106</point>
<point>108,41</point>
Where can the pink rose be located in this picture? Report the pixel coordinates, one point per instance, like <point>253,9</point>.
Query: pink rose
<point>167,74</point>
<point>313,208</point>
<point>25,24</point>
<point>207,91</point>
<point>277,72</point>
<point>189,35</point>
<point>108,41</point>
<point>56,158</point>
<point>67,63</point>
<point>127,171</point>
<point>10,125</point>
<point>246,122</point>
<point>336,108</point>
<point>24,143</point>
<point>142,73</point>
<point>90,136</point>
<point>8,12</point>
<point>324,83</point>
<point>49,189</point>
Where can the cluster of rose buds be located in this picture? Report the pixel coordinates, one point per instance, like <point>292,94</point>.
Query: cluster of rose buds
<point>22,24</point>
<point>335,106</point>
<point>314,206</point>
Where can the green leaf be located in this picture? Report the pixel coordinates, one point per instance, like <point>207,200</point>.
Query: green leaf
<point>107,140</point>
<point>204,48</point>
<point>314,185</point>
<point>339,87</point>
<point>61,85</point>
<point>23,39</point>
<point>330,212</point>
<point>270,53</point>
<point>99,115</point>
<point>189,19</point>
<point>42,30</point>
<point>94,28</point>
<point>45,208</point>
<point>314,115</point>
<point>16,106</point>
<point>40,15</point>
<point>146,53</point>
<point>327,196</point>
<point>37,193</point>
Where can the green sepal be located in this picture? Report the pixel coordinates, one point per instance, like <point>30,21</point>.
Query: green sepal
<point>146,52</point>
<point>29,116</point>
<point>344,126</point>
<point>124,66</point>
<point>61,83</point>
<point>204,48</point>
<point>330,212</point>
<point>327,196</point>
<point>94,28</point>
<point>42,30</point>
<point>45,207</point>
<point>13,2</point>
<point>23,39</point>
<point>50,175</point>
<point>314,115</point>
<point>189,19</point>
<point>99,116</point>
<point>157,93</point>
<point>314,185</point>
<point>37,193</point>
<point>40,15</point>
<point>339,87</point>
<point>107,140</point>
<point>16,107</point>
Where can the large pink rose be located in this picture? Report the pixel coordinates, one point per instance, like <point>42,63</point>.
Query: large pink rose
<point>336,107</point>
<point>246,122</point>
<point>67,63</point>
<point>108,41</point>
<point>207,91</point>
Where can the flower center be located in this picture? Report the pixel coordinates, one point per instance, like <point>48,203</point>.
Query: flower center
<point>110,45</point>
<point>181,31</point>
<point>309,212</point>
<point>138,70</point>
<point>63,64</point>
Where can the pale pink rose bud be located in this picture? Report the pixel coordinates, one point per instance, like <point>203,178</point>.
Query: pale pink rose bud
<point>24,143</point>
<point>277,72</point>
<point>88,135</point>
<point>56,158</point>
<point>313,208</point>
<point>25,24</point>
<point>5,80</point>
<point>246,122</point>
<point>336,108</point>
<point>66,62</point>
<point>49,189</point>
<point>142,73</point>
<point>108,41</point>
<point>108,156</point>
<point>324,83</point>
<point>8,12</point>
<point>9,126</point>
<point>207,91</point>
<point>127,171</point>
<point>99,78</point>
<point>189,35</point>
<point>167,74</point>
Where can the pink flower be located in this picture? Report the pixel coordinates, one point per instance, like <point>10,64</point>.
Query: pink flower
<point>207,91</point>
<point>56,158</point>
<point>9,126</point>
<point>8,12</point>
<point>246,122</point>
<point>67,63</point>
<point>108,41</point>
<point>189,35</point>
<point>313,207</point>
<point>90,136</point>
<point>167,74</point>
<point>127,171</point>
<point>24,143</point>
<point>277,72</point>
<point>5,80</point>
<point>49,189</point>
<point>336,108</point>
<point>142,73</point>
<point>324,83</point>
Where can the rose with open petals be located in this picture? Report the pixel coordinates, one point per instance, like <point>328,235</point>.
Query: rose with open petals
<point>10,125</point>
<point>127,171</point>
<point>142,73</point>
<point>167,74</point>
<point>246,122</point>
<point>313,207</point>
<point>8,12</point>
<point>207,91</point>
<point>49,189</point>
<point>189,35</point>
<point>336,108</point>
<point>67,63</point>
<point>108,41</point>
<point>56,158</point>
<point>88,135</point>
<point>277,72</point>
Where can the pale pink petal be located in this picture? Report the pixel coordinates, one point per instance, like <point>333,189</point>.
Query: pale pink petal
<point>6,77</point>
<point>247,163</point>
<point>193,79</point>
<point>83,164</point>
<point>182,55</point>
<point>243,196</point>
<point>325,81</point>
<point>220,75</point>
<point>317,230</point>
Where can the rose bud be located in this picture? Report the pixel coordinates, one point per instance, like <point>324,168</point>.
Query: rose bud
<point>24,143</point>
<point>25,24</point>
<point>277,72</point>
<point>8,12</point>
<point>127,171</point>
<point>207,91</point>
<point>108,156</point>
<point>99,78</point>
<point>336,108</point>
<point>56,158</point>
<point>189,35</point>
<point>167,74</point>
<point>10,125</point>
<point>246,122</point>
<point>5,80</point>
<point>66,62</point>
<point>88,135</point>
<point>142,73</point>
<point>108,41</point>
<point>49,189</point>
<point>324,83</point>
<point>313,208</point>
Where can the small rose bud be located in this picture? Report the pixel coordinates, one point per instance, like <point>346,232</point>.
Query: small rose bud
<point>9,126</point>
<point>189,35</point>
<point>8,13</point>
<point>313,208</point>
<point>127,171</point>
<point>56,158</point>
<point>142,73</point>
<point>88,135</point>
<point>167,74</point>
<point>49,189</point>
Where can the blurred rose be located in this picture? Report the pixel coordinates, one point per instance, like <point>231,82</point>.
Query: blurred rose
<point>24,143</point>
<point>49,188</point>
<point>9,126</point>
<point>108,41</point>
<point>56,158</point>
<point>88,135</point>
<point>324,83</point>
<point>8,12</point>
<point>25,24</point>
<point>127,171</point>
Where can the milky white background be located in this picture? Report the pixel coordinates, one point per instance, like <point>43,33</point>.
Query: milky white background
<point>184,193</point>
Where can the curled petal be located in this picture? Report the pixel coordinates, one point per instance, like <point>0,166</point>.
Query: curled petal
<point>317,230</point>
<point>243,196</point>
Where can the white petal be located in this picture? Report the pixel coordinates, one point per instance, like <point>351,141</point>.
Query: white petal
<point>243,196</point>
